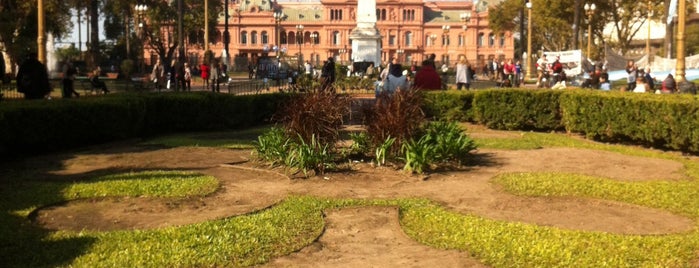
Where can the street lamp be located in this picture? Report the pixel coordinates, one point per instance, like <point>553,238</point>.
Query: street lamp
<point>140,11</point>
<point>465,18</point>
<point>433,38</point>
<point>299,39</point>
<point>278,17</point>
<point>589,10</point>
<point>445,41</point>
<point>400,52</point>
<point>314,40</point>
<point>341,52</point>
<point>529,73</point>
<point>650,14</point>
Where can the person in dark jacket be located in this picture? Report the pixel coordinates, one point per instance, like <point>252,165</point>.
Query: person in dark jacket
<point>33,78</point>
<point>427,77</point>
<point>327,74</point>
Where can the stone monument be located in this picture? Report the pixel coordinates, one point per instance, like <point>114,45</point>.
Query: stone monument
<point>366,39</point>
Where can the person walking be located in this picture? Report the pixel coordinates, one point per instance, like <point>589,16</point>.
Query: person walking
<point>632,73</point>
<point>33,78</point>
<point>68,80</point>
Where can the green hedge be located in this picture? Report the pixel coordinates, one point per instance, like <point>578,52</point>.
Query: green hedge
<point>518,109</point>
<point>663,121</point>
<point>28,127</point>
<point>668,121</point>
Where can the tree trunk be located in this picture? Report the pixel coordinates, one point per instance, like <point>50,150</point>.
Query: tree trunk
<point>94,35</point>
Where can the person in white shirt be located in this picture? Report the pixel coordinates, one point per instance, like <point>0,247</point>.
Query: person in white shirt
<point>542,66</point>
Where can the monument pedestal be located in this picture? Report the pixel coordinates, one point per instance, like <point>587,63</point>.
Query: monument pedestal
<point>366,38</point>
<point>366,45</point>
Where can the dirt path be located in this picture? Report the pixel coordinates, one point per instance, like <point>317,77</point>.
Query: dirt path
<point>354,235</point>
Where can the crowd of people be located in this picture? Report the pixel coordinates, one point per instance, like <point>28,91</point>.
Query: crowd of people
<point>32,76</point>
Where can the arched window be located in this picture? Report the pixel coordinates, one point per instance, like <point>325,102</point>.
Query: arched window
<point>244,37</point>
<point>408,39</point>
<point>383,14</point>
<point>217,37</point>
<point>282,38</point>
<point>292,38</point>
<point>481,36</point>
<point>265,38</point>
<point>253,37</point>
<point>502,40</point>
<point>336,38</point>
<point>317,38</point>
<point>491,40</point>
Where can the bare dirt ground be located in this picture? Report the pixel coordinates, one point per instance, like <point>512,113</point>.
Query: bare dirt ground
<point>355,236</point>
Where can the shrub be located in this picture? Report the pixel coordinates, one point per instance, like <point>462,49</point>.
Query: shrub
<point>360,144</point>
<point>396,115</point>
<point>315,116</point>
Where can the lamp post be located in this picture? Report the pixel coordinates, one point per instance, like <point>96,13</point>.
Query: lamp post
<point>278,16</point>
<point>650,13</point>
<point>299,39</point>
<point>589,10</point>
<point>465,18</point>
<point>41,34</point>
<point>681,20</point>
<point>400,53</point>
<point>341,52</point>
<point>140,11</point>
<point>445,41</point>
<point>433,38</point>
<point>314,40</point>
<point>475,10</point>
<point>529,73</point>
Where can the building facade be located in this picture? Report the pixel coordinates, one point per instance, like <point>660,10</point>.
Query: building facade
<point>313,30</point>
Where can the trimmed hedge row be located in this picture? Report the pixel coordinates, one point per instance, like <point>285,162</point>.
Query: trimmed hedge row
<point>28,127</point>
<point>668,121</point>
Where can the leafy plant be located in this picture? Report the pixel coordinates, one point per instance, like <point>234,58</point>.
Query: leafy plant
<point>449,141</point>
<point>360,143</point>
<point>305,157</point>
<point>419,155</point>
<point>273,146</point>
<point>382,150</point>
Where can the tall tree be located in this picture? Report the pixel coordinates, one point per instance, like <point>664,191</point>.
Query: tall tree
<point>18,25</point>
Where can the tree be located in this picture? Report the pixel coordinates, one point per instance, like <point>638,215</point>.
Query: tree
<point>18,25</point>
<point>553,20</point>
<point>159,27</point>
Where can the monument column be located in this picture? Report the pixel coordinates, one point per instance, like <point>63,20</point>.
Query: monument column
<point>366,38</point>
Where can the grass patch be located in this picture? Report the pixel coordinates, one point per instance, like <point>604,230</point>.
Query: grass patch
<point>297,221</point>
<point>237,139</point>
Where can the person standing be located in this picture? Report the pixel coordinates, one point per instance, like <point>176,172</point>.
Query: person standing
<point>157,75</point>
<point>33,78</point>
<point>445,77</point>
<point>214,75</point>
<point>464,74</point>
<point>395,80</point>
<point>327,74</point>
<point>68,80</point>
<point>427,77</point>
<point>205,73</point>
<point>632,73</point>
<point>542,67</point>
<point>187,78</point>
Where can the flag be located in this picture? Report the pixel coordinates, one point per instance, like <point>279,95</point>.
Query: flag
<point>671,11</point>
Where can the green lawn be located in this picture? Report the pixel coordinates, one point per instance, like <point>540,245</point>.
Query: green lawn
<point>297,221</point>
